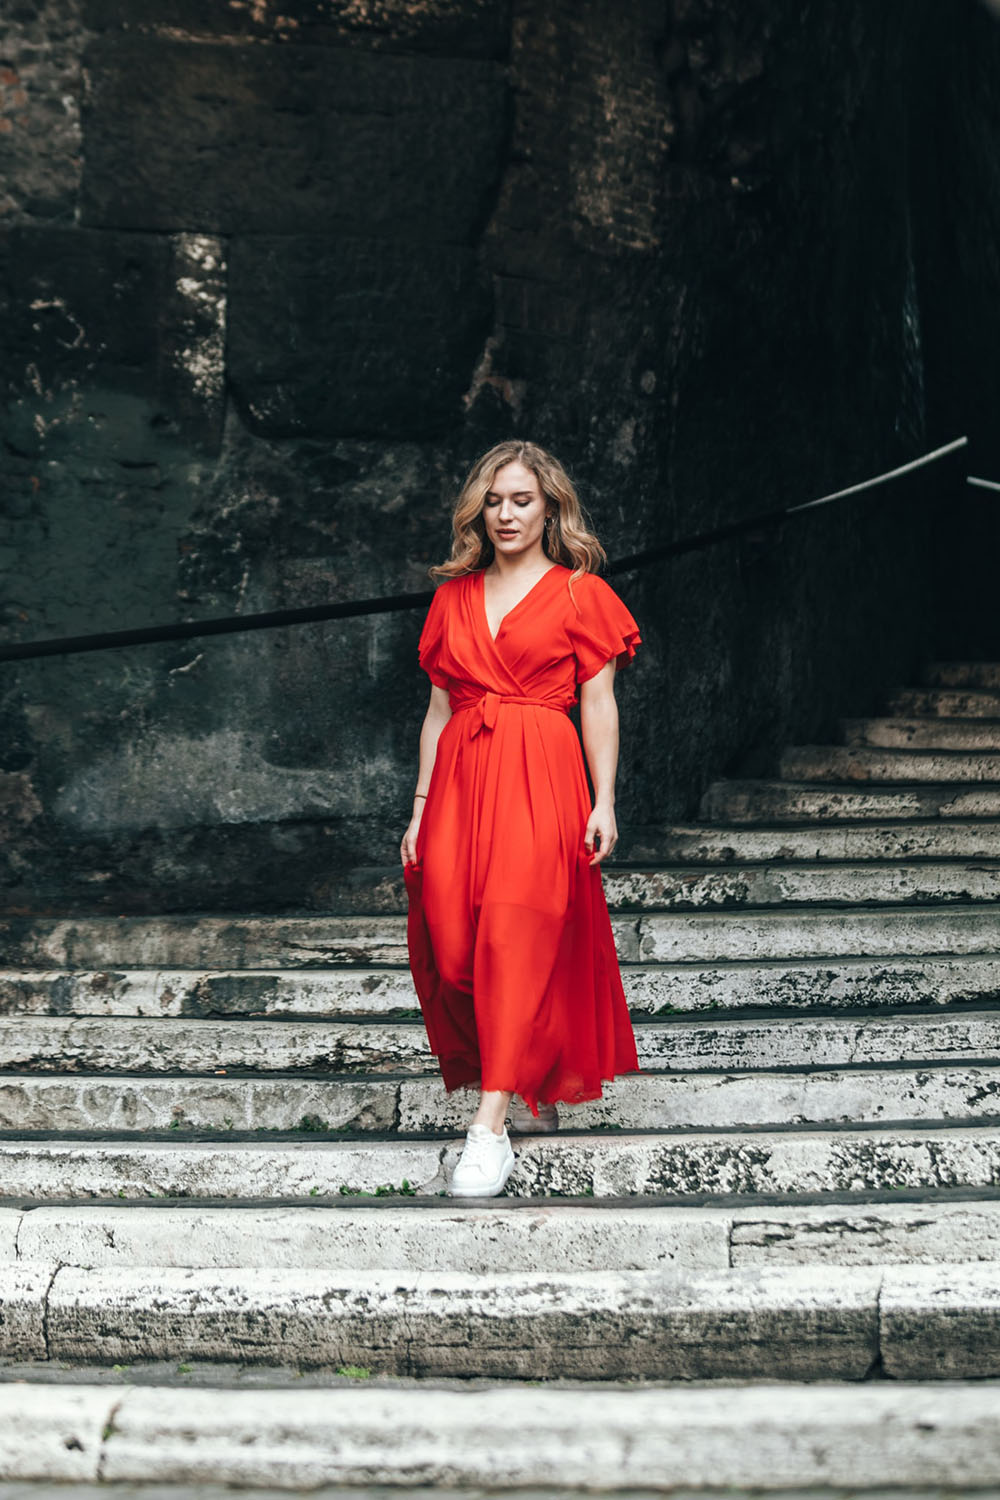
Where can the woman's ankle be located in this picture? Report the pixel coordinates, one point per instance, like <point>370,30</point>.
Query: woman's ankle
<point>492,1111</point>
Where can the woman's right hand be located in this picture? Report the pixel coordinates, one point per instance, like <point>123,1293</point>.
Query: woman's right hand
<point>408,848</point>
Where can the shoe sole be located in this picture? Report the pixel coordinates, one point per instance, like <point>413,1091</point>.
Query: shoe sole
<point>485,1192</point>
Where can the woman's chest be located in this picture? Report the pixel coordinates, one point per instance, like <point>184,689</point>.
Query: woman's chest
<point>508,639</point>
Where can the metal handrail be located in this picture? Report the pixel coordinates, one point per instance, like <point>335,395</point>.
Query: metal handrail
<point>310,614</point>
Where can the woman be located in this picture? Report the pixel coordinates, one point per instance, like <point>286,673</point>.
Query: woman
<point>510,942</point>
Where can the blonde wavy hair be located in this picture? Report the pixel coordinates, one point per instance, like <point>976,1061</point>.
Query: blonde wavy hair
<point>568,541</point>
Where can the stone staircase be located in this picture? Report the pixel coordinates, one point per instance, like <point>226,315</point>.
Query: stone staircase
<point>224,1149</point>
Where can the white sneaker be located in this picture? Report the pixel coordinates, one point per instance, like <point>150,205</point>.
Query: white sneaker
<point>484,1165</point>
<point>525,1123</point>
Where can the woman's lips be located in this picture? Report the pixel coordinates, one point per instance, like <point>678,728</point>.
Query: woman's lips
<point>506,533</point>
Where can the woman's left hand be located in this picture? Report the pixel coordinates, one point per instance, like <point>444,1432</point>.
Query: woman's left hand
<point>601,825</point>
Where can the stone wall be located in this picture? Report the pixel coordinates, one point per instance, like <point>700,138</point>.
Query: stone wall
<point>271,277</point>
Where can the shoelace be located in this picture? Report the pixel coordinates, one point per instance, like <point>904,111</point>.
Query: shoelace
<point>478,1146</point>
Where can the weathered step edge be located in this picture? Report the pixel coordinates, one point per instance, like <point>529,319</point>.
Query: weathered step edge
<point>780,1436</point>
<point>732,985</point>
<point>206,1048</point>
<point>805,1323</point>
<point>480,1238</point>
<point>707,1099</point>
<point>692,1167</point>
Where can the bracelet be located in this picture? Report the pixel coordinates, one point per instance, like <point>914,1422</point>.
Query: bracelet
<point>418,794</point>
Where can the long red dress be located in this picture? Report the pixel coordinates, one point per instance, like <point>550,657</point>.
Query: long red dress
<point>509,937</point>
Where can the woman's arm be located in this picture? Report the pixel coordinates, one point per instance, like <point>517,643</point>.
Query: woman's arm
<point>599,728</point>
<point>437,715</point>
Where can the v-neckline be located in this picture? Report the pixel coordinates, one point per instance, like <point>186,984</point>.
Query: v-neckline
<point>514,607</point>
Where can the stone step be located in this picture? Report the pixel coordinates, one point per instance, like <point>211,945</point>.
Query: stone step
<point>508,1233</point>
<point>723,1439</point>
<point>901,733</point>
<point>840,763</point>
<point>723,1101</point>
<point>763,801</point>
<point>204,992</point>
<point>199,941</point>
<point>966,674</point>
<point>958,703</point>
<point>681,1166</point>
<point>108,944</point>
<point>76,1047</point>
<point>799,984</point>
<point>914,1322</point>
<point>960,927</point>
<point>814,932</point>
<point>765,871</point>
<point>784,884</point>
<point>764,882</point>
<point>443,1234</point>
<point>706,843</point>
<point>784,1322</point>
<point>802,984</point>
<point>644,1101</point>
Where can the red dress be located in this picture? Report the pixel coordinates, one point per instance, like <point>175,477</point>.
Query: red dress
<point>510,941</point>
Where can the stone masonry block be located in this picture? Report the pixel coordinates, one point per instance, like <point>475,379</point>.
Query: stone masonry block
<point>377,1236</point>
<point>592,1325</point>
<point>289,139</point>
<point>767,1438</point>
<point>23,1290</point>
<point>353,337</point>
<point>941,1322</point>
<point>448,28</point>
<point>140,313</point>
<point>53,1434</point>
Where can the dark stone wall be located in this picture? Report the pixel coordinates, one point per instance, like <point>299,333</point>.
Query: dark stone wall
<point>272,276</point>
<point>956,192</point>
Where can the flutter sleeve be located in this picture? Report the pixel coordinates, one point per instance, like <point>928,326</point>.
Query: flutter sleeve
<point>429,645</point>
<point>601,628</point>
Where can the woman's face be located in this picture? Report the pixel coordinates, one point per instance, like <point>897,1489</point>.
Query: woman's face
<point>514,511</point>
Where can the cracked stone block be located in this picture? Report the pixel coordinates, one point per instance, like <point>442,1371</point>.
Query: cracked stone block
<point>10,1221</point>
<point>23,1290</point>
<point>53,1434</point>
<point>941,1322</point>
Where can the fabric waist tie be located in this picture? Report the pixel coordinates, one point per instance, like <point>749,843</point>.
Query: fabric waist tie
<point>488,705</point>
